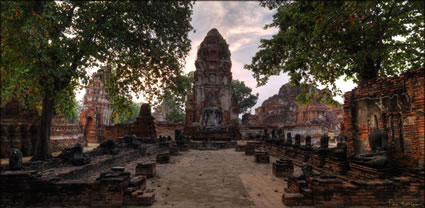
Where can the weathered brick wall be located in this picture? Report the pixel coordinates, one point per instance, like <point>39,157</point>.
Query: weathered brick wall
<point>168,128</point>
<point>117,131</point>
<point>19,129</point>
<point>396,105</point>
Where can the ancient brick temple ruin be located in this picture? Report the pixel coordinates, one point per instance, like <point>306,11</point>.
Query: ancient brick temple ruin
<point>20,127</point>
<point>143,127</point>
<point>211,110</point>
<point>96,111</point>
<point>284,112</point>
<point>382,161</point>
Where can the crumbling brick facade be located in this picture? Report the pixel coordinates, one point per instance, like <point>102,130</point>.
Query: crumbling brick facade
<point>212,107</point>
<point>283,111</point>
<point>96,110</point>
<point>396,105</point>
<point>20,129</point>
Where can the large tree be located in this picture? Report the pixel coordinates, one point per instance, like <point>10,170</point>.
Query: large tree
<point>47,47</point>
<point>174,98</point>
<point>319,42</point>
<point>243,95</point>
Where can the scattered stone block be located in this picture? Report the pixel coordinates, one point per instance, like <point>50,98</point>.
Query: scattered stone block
<point>250,150</point>
<point>163,158</point>
<point>146,169</point>
<point>262,157</point>
<point>174,150</point>
<point>240,147</point>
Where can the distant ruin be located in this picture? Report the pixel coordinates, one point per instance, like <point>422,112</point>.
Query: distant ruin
<point>284,112</point>
<point>96,111</point>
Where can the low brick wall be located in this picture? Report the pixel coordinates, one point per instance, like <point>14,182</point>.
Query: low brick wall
<point>73,187</point>
<point>341,190</point>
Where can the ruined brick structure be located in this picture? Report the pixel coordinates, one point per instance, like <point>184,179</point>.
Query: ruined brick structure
<point>386,111</point>
<point>168,128</point>
<point>96,110</point>
<point>212,108</point>
<point>283,111</point>
<point>397,106</point>
<point>64,135</point>
<point>279,109</point>
<point>20,128</point>
<point>144,126</point>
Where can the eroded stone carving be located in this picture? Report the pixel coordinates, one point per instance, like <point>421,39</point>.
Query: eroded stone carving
<point>297,143</point>
<point>74,155</point>
<point>15,159</point>
<point>378,156</point>
<point>288,141</point>
<point>307,146</point>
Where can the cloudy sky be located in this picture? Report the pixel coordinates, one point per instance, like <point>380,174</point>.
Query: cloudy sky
<point>241,23</point>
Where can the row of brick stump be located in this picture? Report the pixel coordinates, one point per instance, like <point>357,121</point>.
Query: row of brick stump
<point>282,168</point>
<point>262,156</point>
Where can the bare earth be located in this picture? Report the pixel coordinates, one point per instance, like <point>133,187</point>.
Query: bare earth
<point>216,179</point>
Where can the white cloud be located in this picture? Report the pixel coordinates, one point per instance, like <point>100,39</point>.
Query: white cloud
<point>241,23</point>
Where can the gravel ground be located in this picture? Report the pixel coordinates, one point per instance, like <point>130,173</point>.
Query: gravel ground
<point>215,179</point>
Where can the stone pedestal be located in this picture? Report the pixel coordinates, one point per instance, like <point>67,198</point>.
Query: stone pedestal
<point>292,153</point>
<point>146,169</point>
<point>174,150</point>
<point>362,172</point>
<point>240,147</point>
<point>282,168</point>
<point>250,150</point>
<point>163,158</point>
<point>262,157</point>
<point>184,148</point>
<point>337,167</point>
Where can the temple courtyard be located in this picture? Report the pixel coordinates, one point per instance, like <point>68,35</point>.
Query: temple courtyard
<point>216,179</point>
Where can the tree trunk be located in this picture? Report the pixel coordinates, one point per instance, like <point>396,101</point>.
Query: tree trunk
<point>42,144</point>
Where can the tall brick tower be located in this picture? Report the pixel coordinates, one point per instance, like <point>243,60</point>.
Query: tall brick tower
<point>96,113</point>
<point>211,110</point>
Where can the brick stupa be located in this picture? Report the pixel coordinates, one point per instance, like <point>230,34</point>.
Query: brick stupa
<point>211,111</point>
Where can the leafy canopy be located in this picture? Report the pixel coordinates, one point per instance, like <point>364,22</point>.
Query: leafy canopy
<point>48,46</point>
<point>174,98</point>
<point>243,96</point>
<point>319,42</point>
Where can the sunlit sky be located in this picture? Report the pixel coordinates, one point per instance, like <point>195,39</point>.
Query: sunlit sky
<point>241,25</point>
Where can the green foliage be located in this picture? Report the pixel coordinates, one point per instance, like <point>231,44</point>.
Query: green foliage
<point>47,46</point>
<point>175,97</point>
<point>243,95</point>
<point>321,41</point>
<point>129,117</point>
<point>175,115</point>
